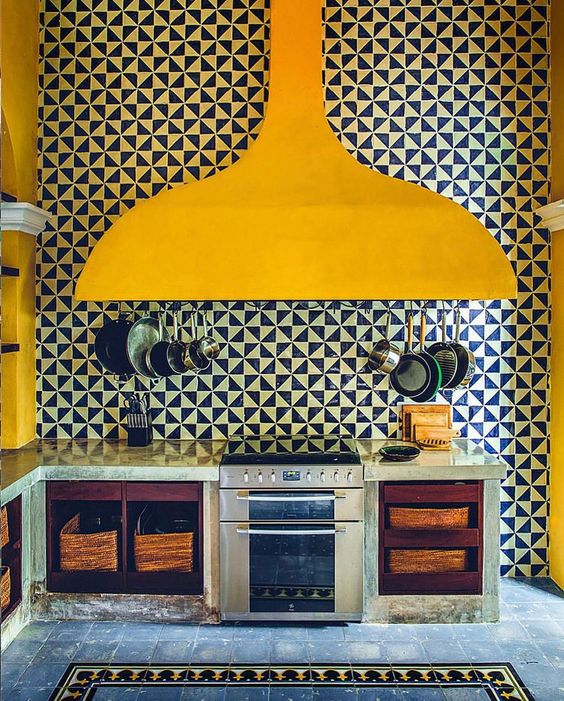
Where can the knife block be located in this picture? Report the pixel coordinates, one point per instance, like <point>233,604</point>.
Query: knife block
<point>140,436</point>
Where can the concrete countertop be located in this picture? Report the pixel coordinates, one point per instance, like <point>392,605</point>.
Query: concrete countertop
<point>198,460</point>
<point>465,460</point>
<point>188,460</point>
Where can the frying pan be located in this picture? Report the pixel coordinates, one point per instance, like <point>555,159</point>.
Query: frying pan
<point>466,362</point>
<point>167,358</point>
<point>445,354</point>
<point>142,336</point>
<point>412,375</point>
<point>110,346</point>
<point>435,374</point>
<point>385,356</point>
<point>156,356</point>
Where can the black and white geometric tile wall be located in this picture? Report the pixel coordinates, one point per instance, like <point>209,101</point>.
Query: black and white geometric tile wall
<point>136,97</point>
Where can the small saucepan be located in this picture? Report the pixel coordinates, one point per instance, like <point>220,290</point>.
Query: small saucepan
<point>385,356</point>
<point>110,346</point>
<point>208,347</point>
<point>193,358</point>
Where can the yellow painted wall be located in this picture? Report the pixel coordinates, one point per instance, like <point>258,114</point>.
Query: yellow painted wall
<point>19,55</point>
<point>557,99</point>
<point>556,527</point>
<point>19,59</point>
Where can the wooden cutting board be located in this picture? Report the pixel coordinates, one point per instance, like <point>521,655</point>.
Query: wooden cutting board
<point>437,415</point>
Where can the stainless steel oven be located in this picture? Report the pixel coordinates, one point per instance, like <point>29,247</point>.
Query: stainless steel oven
<point>291,541</point>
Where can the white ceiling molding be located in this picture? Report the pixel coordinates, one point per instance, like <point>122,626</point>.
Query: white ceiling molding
<point>552,215</point>
<point>23,216</point>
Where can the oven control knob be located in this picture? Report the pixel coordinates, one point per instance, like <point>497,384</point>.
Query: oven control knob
<point>246,476</point>
<point>259,477</point>
<point>273,476</point>
<point>308,476</point>
<point>349,476</point>
<point>322,476</point>
<point>336,476</point>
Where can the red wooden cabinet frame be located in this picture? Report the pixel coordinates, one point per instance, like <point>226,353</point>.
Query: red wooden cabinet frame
<point>12,554</point>
<point>431,494</point>
<point>122,502</point>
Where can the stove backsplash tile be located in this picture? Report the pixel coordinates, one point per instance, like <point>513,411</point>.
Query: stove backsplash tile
<point>130,101</point>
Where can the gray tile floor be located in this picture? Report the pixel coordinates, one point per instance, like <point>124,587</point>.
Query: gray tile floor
<point>530,635</point>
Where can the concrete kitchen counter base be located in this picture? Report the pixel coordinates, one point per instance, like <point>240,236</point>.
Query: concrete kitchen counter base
<point>466,461</point>
<point>26,471</point>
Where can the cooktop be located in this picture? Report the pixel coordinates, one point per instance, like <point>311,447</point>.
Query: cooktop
<point>291,450</point>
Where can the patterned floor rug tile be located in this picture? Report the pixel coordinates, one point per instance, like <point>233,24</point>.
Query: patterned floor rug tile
<point>499,681</point>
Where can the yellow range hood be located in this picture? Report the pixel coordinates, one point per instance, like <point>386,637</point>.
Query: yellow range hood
<point>297,217</point>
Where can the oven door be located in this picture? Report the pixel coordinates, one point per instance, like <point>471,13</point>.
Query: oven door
<point>295,571</point>
<point>294,505</point>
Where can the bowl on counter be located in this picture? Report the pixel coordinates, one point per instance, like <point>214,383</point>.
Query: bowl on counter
<point>399,453</point>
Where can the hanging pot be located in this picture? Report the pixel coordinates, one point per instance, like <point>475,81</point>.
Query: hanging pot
<point>193,359</point>
<point>385,356</point>
<point>110,346</point>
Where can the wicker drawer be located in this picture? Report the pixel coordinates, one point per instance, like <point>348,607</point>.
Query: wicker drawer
<point>164,552</point>
<point>428,518</point>
<point>426,561</point>
<point>5,588</point>
<point>87,551</point>
<point>4,529</point>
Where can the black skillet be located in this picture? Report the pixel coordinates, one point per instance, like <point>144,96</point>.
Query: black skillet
<point>110,346</point>
<point>466,362</point>
<point>435,374</point>
<point>445,354</point>
<point>412,374</point>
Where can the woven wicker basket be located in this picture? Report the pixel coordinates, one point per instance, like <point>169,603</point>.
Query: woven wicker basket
<point>88,551</point>
<point>4,530</point>
<point>166,552</point>
<point>426,561</point>
<point>406,517</point>
<point>5,588</point>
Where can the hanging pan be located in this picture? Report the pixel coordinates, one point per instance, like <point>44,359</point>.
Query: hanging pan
<point>435,374</point>
<point>142,336</point>
<point>385,356</point>
<point>412,374</point>
<point>444,353</point>
<point>193,358</point>
<point>466,362</point>
<point>110,345</point>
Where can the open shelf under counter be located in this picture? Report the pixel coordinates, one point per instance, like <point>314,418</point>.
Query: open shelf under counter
<point>120,505</point>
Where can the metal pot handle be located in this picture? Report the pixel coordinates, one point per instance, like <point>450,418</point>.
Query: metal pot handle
<point>443,322</point>
<point>457,336</point>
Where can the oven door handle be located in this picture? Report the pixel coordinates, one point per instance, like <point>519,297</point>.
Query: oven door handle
<point>243,495</point>
<point>245,530</point>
